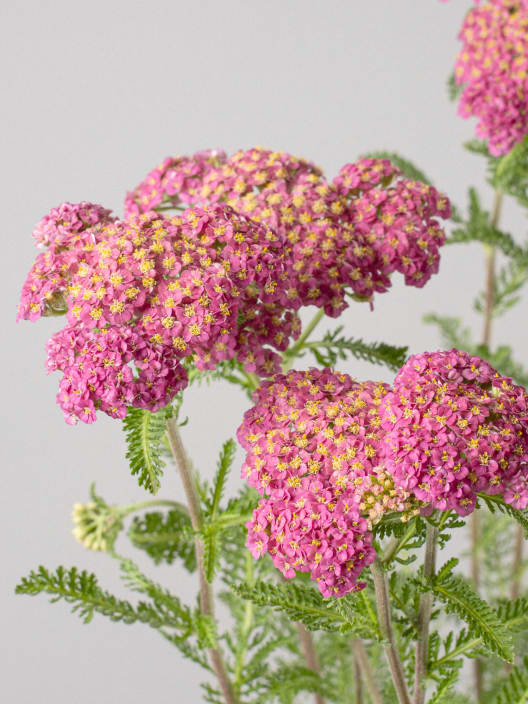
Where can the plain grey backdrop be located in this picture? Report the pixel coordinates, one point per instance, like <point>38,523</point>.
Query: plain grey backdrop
<point>95,95</point>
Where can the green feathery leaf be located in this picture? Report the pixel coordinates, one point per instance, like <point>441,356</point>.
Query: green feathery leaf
<point>213,524</point>
<point>225,461</point>
<point>333,347</point>
<point>477,228</point>
<point>303,603</point>
<point>144,436</point>
<point>461,599</point>
<point>165,537</point>
<point>515,689</point>
<point>81,589</point>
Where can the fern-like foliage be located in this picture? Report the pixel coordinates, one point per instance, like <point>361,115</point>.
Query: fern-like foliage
<point>289,680</point>
<point>144,437</point>
<point>477,228</point>
<point>82,590</point>
<point>225,462</point>
<point>304,604</point>
<point>168,605</point>
<point>508,173</point>
<point>213,524</point>
<point>336,346</point>
<point>461,600</point>
<point>515,689</point>
<point>165,537</point>
<point>509,283</point>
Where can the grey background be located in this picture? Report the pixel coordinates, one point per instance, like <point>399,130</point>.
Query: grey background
<point>96,94</point>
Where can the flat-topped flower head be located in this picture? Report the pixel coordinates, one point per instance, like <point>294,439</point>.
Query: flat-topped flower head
<point>493,68</point>
<point>313,439</point>
<point>175,181</point>
<point>397,216</point>
<point>340,240</point>
<point>65,232</point>
<point>110,369</point>
<point>317,532</point>
<point>62,225</point>
<point>207,284</point>
<point>455,427</point>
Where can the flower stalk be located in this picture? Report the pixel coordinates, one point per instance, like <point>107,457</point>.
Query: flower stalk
<point>424,617</point>
<point>489,305</point>
<point>364,668</point>
<point>385,623</point>
<point>206,592</point>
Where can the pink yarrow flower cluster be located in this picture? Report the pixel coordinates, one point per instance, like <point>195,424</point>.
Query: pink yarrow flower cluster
<point>64,232</point>
<point>455,427</point>
<point>175,181</point>
<point>313,452</point>
<point>493,68</point>
<point>345,237</point>
<point>206,284</point>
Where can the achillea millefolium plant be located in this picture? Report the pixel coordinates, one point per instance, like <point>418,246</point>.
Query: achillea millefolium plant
<point>348,484</point>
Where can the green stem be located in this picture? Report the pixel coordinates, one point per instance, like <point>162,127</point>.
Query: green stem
<point>206,592</point>
<point>424,617</point>
<point>291,353</point>
<point>385,623</point>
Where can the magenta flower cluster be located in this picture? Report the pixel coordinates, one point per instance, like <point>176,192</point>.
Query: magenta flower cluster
<point>313,452</point>
<point>144,294</point>
<point>223,279</point>
<point>345,236</point>
<point>455,427</point>
<point>332,456</point>
<point>64,232</point>
<point>493,68</point>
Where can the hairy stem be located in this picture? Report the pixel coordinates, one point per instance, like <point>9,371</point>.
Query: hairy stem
<point>489,305</point>
<point>358,683</point>
<point>424,617</point>
<point>310,654</point>
<point>206,592</point>
<point>490,272</point>
<point>365,669</point>
<point>385,624</point>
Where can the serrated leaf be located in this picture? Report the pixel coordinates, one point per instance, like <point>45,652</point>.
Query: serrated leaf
<point>225,461</point>
<point>165,537</point>
<point>334,346</point>
<point>81,589</point>
<point>144,437</point>
<point>461,599</point>
<point>298,602</point>
<point>515,689</point>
